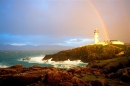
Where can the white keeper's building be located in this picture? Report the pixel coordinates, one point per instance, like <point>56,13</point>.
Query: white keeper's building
<point>96,40</point>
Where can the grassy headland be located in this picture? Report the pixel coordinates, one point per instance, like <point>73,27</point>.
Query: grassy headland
<point>91,52</point>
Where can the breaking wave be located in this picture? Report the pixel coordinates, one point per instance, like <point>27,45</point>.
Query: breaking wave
<point>3,66</point>
<point>58,64</point>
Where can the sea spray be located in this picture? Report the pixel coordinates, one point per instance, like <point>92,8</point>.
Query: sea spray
<point>3,66</point>
<point>37,59</point>
<point>13,57</point>
<point>58,64</point>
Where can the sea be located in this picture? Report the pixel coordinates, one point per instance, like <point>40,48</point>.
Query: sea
<point>13,57</point>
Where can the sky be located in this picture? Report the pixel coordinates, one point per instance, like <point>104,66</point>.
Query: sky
<point>63,22</point>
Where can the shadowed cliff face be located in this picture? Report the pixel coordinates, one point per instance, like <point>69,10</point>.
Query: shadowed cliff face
<point>90,53</point>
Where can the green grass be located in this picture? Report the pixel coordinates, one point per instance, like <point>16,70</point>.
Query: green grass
<point>88,78</point>
<point>111,64</point>
<point>91,52</point>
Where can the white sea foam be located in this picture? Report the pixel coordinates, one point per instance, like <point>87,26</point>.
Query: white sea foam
<point>3,66</point>
<point>37,59</point>
<point>58,64</point>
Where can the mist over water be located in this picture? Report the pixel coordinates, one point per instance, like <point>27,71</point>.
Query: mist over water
<point>9,58</point>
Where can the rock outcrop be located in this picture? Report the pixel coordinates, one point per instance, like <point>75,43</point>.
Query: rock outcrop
<point>111,65</point>
<point>90,52</point>
<point>18,75</point>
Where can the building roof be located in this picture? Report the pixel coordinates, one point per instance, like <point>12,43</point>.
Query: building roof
<point>114,40</point>
<point>96,31</point>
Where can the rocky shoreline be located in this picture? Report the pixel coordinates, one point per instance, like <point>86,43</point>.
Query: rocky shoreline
<point>106,67</point>
<point>90,75</point>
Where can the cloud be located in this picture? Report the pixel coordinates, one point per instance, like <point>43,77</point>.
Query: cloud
<point>18,44</point>
<point>18,40</point>
<point>77,42</point>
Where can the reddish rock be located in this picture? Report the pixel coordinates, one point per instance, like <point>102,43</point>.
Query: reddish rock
<point>103,81</point>
<point>81,84</point>
<point>77,80</point>
<point>95,83</point>
<point>66,84</point>
<point>7,71</point>
<point>56,77</point>
<point>86,68</point>
<point>17,66</point>
<point>49,76</point>
<point>97,73</point>
<point>72,70</point>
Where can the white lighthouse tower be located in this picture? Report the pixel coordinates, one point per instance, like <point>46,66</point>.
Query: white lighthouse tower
<point>96,39</point>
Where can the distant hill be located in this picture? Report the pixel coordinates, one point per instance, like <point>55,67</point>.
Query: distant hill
<point>90,53</point>
<point>30,47</point>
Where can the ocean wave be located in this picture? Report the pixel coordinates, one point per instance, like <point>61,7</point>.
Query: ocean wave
<point>33,59</point>
<point>58,64</point>
<point>3,66</point>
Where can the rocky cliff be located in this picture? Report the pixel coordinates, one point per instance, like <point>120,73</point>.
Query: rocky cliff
<point>89,53</point>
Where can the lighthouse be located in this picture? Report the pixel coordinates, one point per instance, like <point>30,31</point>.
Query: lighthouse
<point>96,40</point>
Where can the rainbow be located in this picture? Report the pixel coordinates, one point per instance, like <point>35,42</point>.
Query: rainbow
<point>101,20</point>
